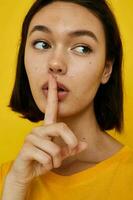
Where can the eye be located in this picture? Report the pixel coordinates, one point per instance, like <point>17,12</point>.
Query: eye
<point>41,45</point>
<point>82,49</point>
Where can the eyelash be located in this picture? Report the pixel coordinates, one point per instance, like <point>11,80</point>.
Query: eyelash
<point>89,50</point>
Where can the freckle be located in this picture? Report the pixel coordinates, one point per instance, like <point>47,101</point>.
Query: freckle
<point>36,68</point>
<point>89,62</point>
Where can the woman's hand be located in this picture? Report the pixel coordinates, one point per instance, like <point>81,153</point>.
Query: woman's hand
<point>39,153</point>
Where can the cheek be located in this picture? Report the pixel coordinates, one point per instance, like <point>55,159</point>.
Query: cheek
<point>88,71</point>
<point>93,75</point>
<point>33,72</point>
<point>35,66</point>
<point>31,64</point>
<point>87,77</point>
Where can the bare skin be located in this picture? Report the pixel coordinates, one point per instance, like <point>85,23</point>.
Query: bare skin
<point>77,162</point>
<point>39,153</point>
<point>70,138</point>
<point>81,72</point>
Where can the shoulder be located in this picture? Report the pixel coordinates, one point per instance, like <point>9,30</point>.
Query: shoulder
<point>126,162</point>
<point>122,176</point>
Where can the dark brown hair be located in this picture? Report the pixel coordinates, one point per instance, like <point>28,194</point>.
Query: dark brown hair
<point>108,102</point>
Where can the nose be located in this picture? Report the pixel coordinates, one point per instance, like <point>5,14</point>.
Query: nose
<point>57,63</point>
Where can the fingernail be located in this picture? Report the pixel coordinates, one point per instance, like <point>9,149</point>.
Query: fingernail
<point>84,145</point>
<point>73,152</point>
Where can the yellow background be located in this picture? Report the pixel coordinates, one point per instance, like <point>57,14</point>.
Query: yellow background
<point>13,129</point>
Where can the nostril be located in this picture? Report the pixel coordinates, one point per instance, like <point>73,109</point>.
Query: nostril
<point>59,70</point>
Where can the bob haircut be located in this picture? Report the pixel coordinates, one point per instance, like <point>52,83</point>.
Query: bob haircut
<point>108,102</point>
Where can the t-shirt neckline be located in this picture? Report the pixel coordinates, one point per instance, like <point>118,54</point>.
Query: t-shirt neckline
<point>58,179</point>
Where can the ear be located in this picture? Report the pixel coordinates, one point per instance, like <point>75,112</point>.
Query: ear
<point>107,72</point>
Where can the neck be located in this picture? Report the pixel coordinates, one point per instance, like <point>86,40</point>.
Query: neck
<point>85,127</point>
<point>100,144</point>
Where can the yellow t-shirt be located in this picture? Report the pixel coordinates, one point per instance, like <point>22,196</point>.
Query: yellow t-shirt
<point>111,179</point>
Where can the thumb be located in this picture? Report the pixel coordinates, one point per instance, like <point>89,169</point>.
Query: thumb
<point>80,147</point>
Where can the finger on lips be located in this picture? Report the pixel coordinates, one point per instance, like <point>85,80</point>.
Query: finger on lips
<point>52,101</point>
<point>51,113</point>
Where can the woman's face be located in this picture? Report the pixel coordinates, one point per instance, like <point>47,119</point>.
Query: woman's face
<point>71,45</point>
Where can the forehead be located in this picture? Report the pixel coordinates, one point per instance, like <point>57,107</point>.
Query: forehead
<point>64,17</point>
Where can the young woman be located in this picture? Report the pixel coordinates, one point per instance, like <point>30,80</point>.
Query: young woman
<point>69,73</point>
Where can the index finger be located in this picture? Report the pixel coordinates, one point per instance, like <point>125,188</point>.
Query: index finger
<point>52,101</point>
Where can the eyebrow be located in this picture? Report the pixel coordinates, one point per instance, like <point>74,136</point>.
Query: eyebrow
<point>76,33</point>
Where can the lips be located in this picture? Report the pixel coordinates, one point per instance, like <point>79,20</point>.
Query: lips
<point>62,91</point>
<point>60,87</point>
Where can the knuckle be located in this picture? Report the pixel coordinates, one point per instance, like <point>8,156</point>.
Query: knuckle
<point>38,131</point>
<point>62,125</point>
<point>57,151</point>
<point>48,160</point>
<point>74,144</point>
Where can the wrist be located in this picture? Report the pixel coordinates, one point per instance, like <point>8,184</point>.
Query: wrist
<point>18,182</point>
<point>14,190</point>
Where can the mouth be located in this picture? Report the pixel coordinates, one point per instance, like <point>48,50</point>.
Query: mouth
<point>62,90</point>
<point>60,87</point>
